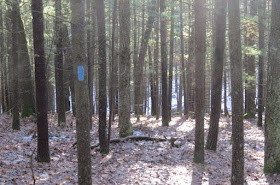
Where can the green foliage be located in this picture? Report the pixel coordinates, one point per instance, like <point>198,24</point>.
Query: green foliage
<point>249,115</point>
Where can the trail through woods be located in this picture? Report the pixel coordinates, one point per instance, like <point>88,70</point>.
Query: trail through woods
<point>135,162</point>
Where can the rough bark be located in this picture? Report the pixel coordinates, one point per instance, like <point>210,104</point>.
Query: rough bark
<point>171,58</point>
<point>15,63</point>
<point>2,62</point>
<point>138,78</point>
<point>124,68</point>
<point>183,60</point>
<point>156,61</point>
<point>81,90</point>
<point>43,154</point>
<point>163,36</point>
<point>89,58</point>
<point>217,73</point>
<point>237,174</point>
<point>272,115</point>
<point>69,63</point>
<point>26,81</point>
<point>102,105</point>
<point>200,49</point>
<point>59,70</point>
<point>261,15</point>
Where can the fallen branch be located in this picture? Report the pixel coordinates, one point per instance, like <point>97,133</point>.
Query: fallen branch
<point>137,138</point>
<point>31,166</point>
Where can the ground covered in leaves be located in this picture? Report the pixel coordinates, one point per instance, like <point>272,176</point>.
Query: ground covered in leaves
<point>139,162</point>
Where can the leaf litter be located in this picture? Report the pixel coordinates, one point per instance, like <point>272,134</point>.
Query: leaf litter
<point>137,162</point>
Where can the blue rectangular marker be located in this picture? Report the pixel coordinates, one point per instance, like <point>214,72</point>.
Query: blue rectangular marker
<point>81,73</point>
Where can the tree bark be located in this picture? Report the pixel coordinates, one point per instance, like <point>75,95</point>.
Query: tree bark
<point>217,73</point>
<point>272,115</point>
<point>171,58</point>
<point>138,78</point>
<point>163,35</point>
<point>43,154</point>
<point>261,14</point>
<point>59,70</point>
<point>15,63</point>
<point>102,105</point>
<point>82,91</point>
<point>200,49</point>
<point>237,174</point>
<point>124,68</point>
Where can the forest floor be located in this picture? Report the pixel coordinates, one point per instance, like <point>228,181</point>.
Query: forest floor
<point>139,162</point>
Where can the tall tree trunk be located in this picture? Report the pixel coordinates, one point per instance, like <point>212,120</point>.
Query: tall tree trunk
<point>81,89</point>
<point>43,154</point>
<point>100,12</point>
<point>2,62</point>
<point>171,58</point>
<point>217,73</point>
<point>26,80</point>
<point>89,58</point>
<point>163,35</point>
<point>124,67</point>
<point>237,174</point>
<point>200,48</point>
<point>190,63</point>
<point>272,115</point>
<point>142,54</point>
<point>156,53</point>
<point>261,13</point>
<point>15,63</point>
<point>183,60</point>
<point>59,78</point>
<point>69,63</point>
<point>251,79</point>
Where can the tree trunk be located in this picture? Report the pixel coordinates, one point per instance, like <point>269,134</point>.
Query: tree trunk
<point>69,63</point>
<point>163,35</point>
<point>124,68</point>
<point>200,48</point>
<point>43,154</point>
<point>251,79</point>
<point>89,58</point>
<point>59,76</point>
<point>237,174</point>
<point>2,62</point>
<point>15,63</point>
<point>261,13</point>
<point>100,12</point>
<point>138,78</point>
<point>82,92</point>
<point>272,116</point>
<point>171,58</point>
<point>26,80</point>
<point>217,73</point>
<point>156,52</point>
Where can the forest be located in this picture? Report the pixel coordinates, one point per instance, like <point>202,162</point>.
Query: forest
<point>140,92</point>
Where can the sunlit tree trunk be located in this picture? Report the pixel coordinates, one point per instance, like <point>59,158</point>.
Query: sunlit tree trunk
<point>272,115</point>
<point>237,174</point>
<point>217,72</point>
<point>200,49</point>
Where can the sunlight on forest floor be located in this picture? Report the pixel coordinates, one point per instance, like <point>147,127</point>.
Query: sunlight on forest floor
<point>141,162</point>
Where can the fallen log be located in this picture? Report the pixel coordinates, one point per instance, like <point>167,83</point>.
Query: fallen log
<point>136,138</point>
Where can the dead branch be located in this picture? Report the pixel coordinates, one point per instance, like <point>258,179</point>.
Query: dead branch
<point>31,167</point>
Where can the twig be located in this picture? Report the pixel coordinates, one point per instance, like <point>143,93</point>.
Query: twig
<point>31,166</point>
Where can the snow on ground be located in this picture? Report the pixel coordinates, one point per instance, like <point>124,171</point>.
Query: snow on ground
<point>141,162</point>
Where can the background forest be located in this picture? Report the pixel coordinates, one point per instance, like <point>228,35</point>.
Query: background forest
<point>140,92</point>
